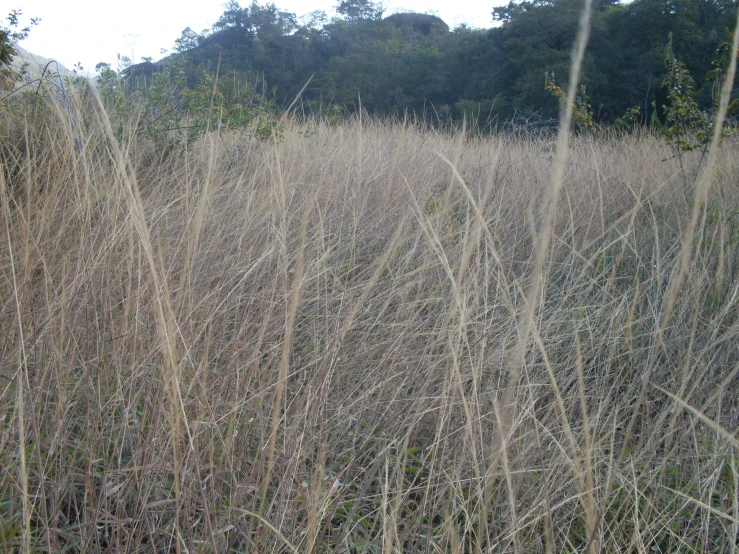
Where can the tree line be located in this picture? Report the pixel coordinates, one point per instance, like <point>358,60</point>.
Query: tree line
<point>647,62</point>
<point>415,63</point>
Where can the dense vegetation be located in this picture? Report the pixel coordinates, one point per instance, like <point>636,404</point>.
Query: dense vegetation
<point>227,327</point>
<point>396,64</point>
<point>10,34</point>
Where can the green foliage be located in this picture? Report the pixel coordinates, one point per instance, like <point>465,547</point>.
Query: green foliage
<point>164,108</point>
<point>400,64</point>
<point>629,120</point>
<point>9,36</point>
<point>188,40</point>
<point>582,114</point>
<point>479,115</point>
<point>717,74</point>
<point>256,21</point>
<point>395,65</point>
<point>687,126</point>
<point>358,10</point>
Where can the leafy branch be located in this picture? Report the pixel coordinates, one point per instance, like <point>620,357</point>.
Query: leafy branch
<point>582,114</point>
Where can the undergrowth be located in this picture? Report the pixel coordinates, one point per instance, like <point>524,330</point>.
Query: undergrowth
<point>305,344</point>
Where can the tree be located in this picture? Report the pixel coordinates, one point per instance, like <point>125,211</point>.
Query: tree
<point>360,10</point>
<point>314,20</point>
<point>256,20</point>
<point>233,16</point>
<point>412,61</point>
<point>9,36</point>
<point>188,40</point>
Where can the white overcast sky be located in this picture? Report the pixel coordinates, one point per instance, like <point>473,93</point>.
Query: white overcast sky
<point>92,31</point>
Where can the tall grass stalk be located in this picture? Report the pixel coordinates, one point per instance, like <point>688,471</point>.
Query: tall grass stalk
<point>302,345</point>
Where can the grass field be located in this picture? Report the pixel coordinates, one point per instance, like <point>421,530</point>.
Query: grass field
<point>356,339</point>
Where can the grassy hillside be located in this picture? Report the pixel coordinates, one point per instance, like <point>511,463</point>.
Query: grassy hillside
<point>35,64</point>
<point>317,343</point>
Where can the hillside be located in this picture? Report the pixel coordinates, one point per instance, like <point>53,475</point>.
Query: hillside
<point>35,64</point>
<point>410,62</point>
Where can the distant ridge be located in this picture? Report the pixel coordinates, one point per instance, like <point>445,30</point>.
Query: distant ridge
<point>36,64</point>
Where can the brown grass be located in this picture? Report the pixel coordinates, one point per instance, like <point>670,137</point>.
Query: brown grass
<point>310,345</point>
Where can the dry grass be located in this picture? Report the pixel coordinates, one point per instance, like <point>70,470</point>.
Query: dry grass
<point>310,346</point>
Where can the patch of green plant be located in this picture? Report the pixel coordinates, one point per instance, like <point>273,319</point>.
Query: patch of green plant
<point>629,120</point>
<point>166,108</point>
<point>10,34</point>
<point>687,127</point>
<point>582,114</point>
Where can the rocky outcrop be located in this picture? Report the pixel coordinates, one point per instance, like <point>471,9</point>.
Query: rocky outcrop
<point>143,69</point>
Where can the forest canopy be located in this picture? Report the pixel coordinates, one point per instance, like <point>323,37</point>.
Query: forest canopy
<point>414,62</point>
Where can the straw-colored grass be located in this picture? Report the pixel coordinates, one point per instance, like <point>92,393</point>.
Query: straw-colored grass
<point>311,345</point>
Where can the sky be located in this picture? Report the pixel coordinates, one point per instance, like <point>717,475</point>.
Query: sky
<point>92,31</point>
